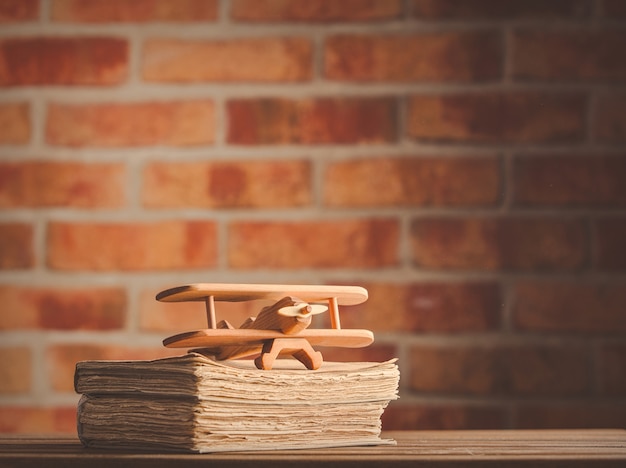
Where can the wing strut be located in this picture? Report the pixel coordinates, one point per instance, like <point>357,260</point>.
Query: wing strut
<point>210,311</point>
<point>333,306</point>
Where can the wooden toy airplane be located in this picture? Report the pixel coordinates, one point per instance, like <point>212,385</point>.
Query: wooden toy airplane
<point>279,329</point>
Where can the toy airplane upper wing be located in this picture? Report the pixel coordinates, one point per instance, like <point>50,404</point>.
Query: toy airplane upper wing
<point>281,328</point>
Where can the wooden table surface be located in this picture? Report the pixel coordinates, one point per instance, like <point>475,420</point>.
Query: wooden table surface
<point>548,448</point>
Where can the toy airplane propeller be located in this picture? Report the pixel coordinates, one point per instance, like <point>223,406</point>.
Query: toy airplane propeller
<point>279,329</point>
<point>302,311</point>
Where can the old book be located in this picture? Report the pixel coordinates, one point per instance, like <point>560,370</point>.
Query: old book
<point>194,403</point>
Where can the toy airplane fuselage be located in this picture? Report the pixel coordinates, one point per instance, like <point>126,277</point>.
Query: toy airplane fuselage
<point>281,328</point>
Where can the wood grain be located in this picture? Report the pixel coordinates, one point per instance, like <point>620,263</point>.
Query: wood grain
<point>515,448</point>
<point>214,338</point>
<point>233,292</point>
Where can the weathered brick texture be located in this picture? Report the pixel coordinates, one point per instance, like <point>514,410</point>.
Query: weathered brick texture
<point>472,56</point>
<point>63,61</point>
<point>38,420</point>
<point>15,370</point>
<point>237,184</point>
<point>182,123</point>
<point>610,123</point>
<point>613,9</point>
<point>249,60</point>
<point>563,306</point>
<point>427,308</point>
<point>570,181</point>
<point>14,123</point>
<point>16,246</point>
<point>314,10</point>
<point>569,415</point>
<point>495,9</point>
<point>62,309</point>
<point>526,244</point>
<point>613,369</point>
<point>442,417</point>
<point>311,121</point>
<point>608,248</point>
<point>419,181</point>
<point>575,55</point>
<point>42,184</point>
<point>13,11</point>
<point>321,244</point>
<point>141,11</point>
<point>131,246</point>
<point>501,117</point>
<point>500,370</point>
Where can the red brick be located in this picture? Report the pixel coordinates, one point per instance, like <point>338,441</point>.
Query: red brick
<point>63,61</point>
<point>184,316</point>
<point>413,181</point>
<point>257,184</point>
<point>357,243</point>
<point>63,309</point>
<point>62,359</point>
<point>580,55</point>
<point>497,117</point>
<point>310,121</point>
<point>43,184</point>
<point>569,181</point>
<point>609,253</point>
<point>571,416</point>
<point>132,246</point>
<point>263,59</point>
<point>177,123</point>
<point>13,11</point>
<point>570,306</point>
<point>449,56</point>
<point>612,366</point>
<point>404,417</point>
<point>315,10</point>
<point>37,420</point>
<point>14,123</point>
<point>530,244</point>
<point>107,11</point>
<point>497,9</point>
<point>426,307</point>
<point>500,370</point>
<point>15,370</point>
<point>16,246</point>
<point>613,9</point>
<point>609,125</point>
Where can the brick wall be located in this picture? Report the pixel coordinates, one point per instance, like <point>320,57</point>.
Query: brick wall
<point>463,160</point>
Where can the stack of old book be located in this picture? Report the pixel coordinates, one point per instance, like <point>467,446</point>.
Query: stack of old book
<point>195,403</point>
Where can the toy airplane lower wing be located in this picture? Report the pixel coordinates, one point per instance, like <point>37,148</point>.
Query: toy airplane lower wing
<point>279,329</point>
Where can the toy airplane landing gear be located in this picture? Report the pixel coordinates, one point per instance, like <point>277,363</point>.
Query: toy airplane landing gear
<point>299,348</point>
<point>280,329</point>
